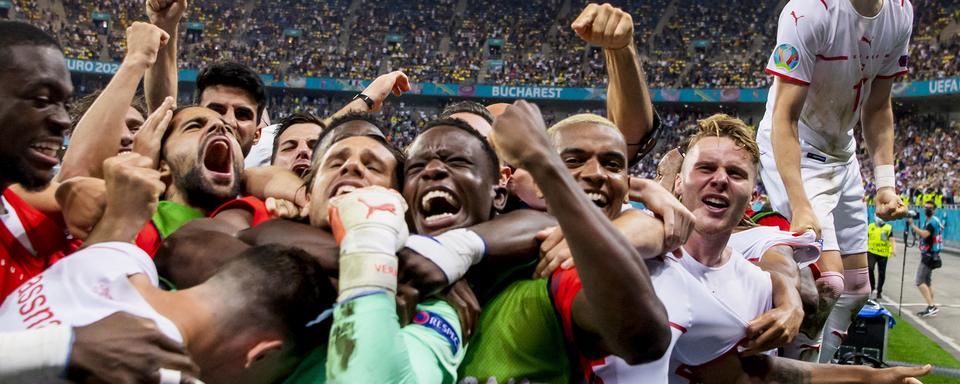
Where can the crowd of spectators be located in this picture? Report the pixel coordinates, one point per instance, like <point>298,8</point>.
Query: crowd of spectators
<point>700,44</point>
<point>928,155</point>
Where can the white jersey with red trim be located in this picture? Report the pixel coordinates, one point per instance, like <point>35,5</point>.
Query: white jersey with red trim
<point>754,242</point>
<point>702,328</point>
<point>828,46</point>
<point>81,289</point>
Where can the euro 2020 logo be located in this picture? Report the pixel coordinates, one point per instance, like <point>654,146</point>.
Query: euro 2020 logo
<point>786,57</point>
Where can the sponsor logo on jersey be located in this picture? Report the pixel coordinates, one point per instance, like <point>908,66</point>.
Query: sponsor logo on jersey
<point>786,57</point>
<point>435,322</point>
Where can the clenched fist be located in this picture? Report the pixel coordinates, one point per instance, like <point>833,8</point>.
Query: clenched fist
<point>604,25</point>
<point>520,137</point>
<point>133,186</point>
<point>144,42</point>
<point>166,14</point>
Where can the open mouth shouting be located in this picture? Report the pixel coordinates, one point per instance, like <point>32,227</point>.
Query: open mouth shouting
<point>715,203</point>
<point>218,159</point>
<point>439,208</point>
<point>344,187</point>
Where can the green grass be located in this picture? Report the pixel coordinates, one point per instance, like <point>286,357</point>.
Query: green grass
<point>905,343</point>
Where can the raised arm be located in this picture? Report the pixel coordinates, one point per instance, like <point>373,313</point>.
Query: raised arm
<point>97,134</point>
<point>161,79</point>
<point>619,303</point>
<point>628,99</point>
<point>394,83</point>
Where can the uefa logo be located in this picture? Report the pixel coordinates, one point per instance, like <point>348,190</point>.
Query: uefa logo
<point>786,57</point>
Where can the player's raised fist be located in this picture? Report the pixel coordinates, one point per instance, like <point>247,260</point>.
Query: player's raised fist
<point>166,14</point>
<point>520,137</point>
<point>604,25</point>
<point>144,42</point>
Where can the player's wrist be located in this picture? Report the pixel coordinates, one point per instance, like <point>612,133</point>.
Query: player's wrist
<point>885,176</point>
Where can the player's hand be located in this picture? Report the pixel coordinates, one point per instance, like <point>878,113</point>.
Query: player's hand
<point>417,270</point>
<point>284,209</point>
<point>889,205</point>
<point>520,136</point>
<point>554,252</point>
<point>394,83</point>
<point>133,186</point>
<point>166,14</point>
<point>803,219</point>
<point>144,42</point>
<point>604,25</point>
<point>407,299</point>
<point>82,200</point>
<point>462,298</point>
<point>148,140</point>
<point>122,348</point>
<point>898,375</point>
<point>678,221</point>
<point>375,209</point>
<point>773,329</point>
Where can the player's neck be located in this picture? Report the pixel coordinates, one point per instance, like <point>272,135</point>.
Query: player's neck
<point>183,308</point>
<point>708,249</point>
<point>867,8</point>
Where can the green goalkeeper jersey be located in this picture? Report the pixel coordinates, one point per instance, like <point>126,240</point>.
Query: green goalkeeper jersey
<point>518,337</point>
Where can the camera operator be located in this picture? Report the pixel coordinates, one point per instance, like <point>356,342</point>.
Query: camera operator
<point>931,239</point>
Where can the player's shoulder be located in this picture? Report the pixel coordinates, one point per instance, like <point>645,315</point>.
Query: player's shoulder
<point>813,9</point>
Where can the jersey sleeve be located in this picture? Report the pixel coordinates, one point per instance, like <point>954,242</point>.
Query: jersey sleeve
<point>564,286</point>
<point>251,204</point>
<point>895,64</point>
<point>798,43</point>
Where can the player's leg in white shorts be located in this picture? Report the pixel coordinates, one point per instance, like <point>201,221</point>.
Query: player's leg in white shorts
<point>850,221</point>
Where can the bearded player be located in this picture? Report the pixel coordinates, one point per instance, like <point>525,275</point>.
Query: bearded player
<point>834,63</point>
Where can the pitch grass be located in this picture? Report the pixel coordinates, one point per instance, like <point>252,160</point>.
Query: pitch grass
<point>905,343</point>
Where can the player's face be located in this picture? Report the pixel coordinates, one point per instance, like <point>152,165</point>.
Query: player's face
<point>448,182</point>
<point>238,109</point>
<point>33,116</point>
<point>596,156</point>
<point>295,148</point>
<point>203,157</point>
<point>715,183</point>
<point>350,164</point>
<point>131,124</point>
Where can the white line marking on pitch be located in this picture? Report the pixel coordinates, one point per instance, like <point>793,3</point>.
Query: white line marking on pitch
<point>916,320</point>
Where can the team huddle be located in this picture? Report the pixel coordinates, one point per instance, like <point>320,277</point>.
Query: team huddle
<point>181,244</point>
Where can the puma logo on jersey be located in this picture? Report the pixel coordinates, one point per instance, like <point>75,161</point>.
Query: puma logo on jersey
<point>866,40</point>
<point>796,19</point>
<point>383,207</point>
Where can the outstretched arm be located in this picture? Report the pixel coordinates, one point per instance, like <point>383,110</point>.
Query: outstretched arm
<point>877,119</point>
<point>383,86</point>
<point>631,322</point>
<point>769,369</point>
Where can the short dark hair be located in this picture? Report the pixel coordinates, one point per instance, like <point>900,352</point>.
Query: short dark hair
<point>285,289</point>
<point>83,104</point>
<point>467,106</point>
<point>233,74</point>
<point>18,33</point>
<point>289,121</point>
<point>341,120</point>
<point>463,125</point>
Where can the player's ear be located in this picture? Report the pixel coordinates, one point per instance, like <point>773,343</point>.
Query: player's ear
<point>500,195</point>
<point>165,173</point>
<point>505,174</point>
<point>263,353</point>
<point>677,190</point>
